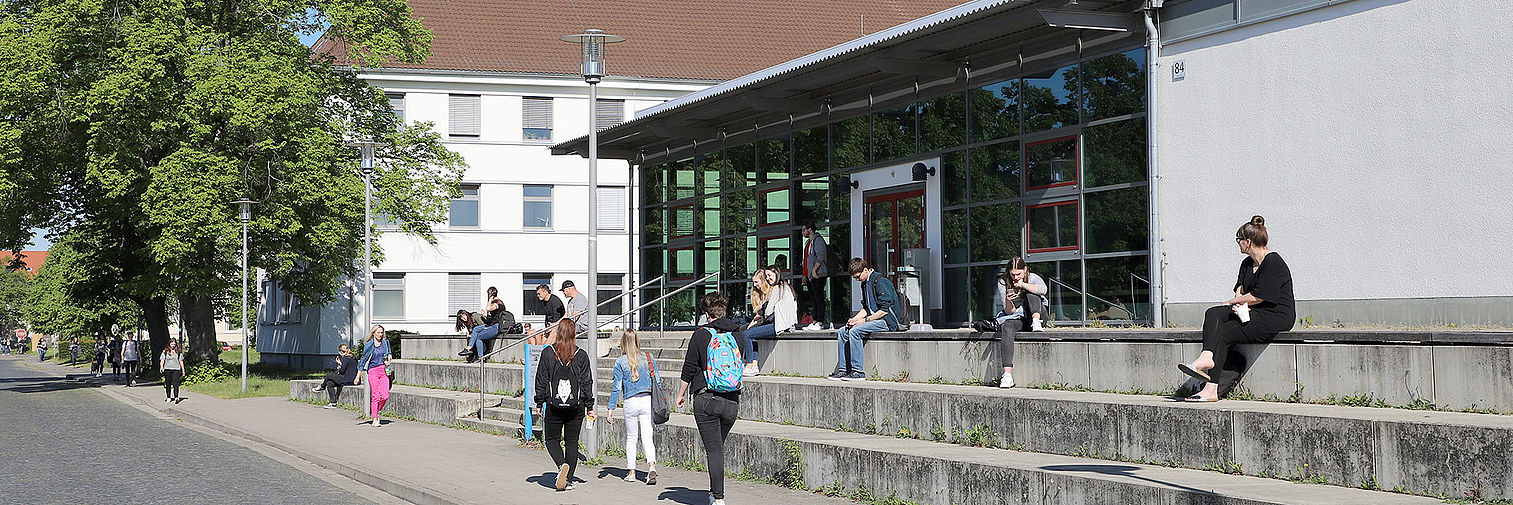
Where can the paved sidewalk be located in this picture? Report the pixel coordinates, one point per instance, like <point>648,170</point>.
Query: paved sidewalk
<point>430,464</point>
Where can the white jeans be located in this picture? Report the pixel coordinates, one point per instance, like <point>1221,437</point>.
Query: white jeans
<point>638,422</point>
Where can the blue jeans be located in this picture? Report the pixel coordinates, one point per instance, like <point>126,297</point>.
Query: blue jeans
<point>849,344</point>
<point>759,331</point>
<point>481,333</point>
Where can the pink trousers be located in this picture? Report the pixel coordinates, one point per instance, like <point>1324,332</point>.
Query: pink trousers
<point>378,386</point>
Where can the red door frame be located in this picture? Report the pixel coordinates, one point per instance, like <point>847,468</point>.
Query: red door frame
<point>867,221</point>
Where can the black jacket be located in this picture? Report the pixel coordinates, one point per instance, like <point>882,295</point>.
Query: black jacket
<point>347,370</point>
<point>696,359</point>
<point>553,309</point>
<point>549,372</point>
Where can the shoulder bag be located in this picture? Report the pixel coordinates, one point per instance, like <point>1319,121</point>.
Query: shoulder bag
<point>659,411</point>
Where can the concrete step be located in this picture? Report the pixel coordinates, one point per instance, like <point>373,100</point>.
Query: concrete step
<point>939,473</point>
<point>433,405</point>
<point>498,377</point>
<point>1424,452</point>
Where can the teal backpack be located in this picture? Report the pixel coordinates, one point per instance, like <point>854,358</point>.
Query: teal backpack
<point>723,365</point>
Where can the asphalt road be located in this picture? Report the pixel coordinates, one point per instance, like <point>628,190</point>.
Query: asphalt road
<point>61,442</point>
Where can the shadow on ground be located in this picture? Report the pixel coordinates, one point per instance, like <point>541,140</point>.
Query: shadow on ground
<point>1121,471</point>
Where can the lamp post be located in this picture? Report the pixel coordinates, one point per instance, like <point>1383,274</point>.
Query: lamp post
<point>366,148</point>
<point>244,210</point>
<point>593,40</point>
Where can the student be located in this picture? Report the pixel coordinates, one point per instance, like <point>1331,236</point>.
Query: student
<point>1022,295</point>
<point>879,313</point>
<point>41,348</point>
<point>171,366</point>
<point>635,375</point>
<point>115,357</point>
<point>777,313</point>
<point>5,345</point>
<point>564,394</point>
<point>816,270</point>
<point>345,375</point>
<point>129,359</point>
<point>74,350</point>
<point>1261,307</point>
<point>714,410</point>
<point>492,314</point>
<point>552,308</point>
<point>374,363</point>
<point>101,350</point>
<point>577,306</point>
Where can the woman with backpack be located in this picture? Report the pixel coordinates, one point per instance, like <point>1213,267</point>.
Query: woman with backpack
<point>492,315</point>
<point>101,348</point>
<point>635,376</point>
<point>374,364</point>
<point>564,394</point>
<point>712,370</point>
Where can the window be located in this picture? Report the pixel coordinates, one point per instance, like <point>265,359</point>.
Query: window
<point>775,252</point>
<point>465,209</point>
<point>995,232</point>
<point>530,305</point>
<point>1050,163</point>
<point>1052,226</point>
<point>995,111</point>
<point>772,159</point>
<point>538,206</point>
<point>893,133</point>
<point>397,102</point>
<point>388,296</point>
<point>609,114</point>
<point>943,122</point>
<point>682,217</point>
<point>288,307</point>
<point>1050,99</point>
<point>537,115</point>
<point>680,263</point>
<point>775,206</point>
<point>995,172</point>
<point>1114,153</point>
<point>610,286</point>
<point>464,292</point>
<point>612,209</point>
<point>462,116</point>
<point>1117,220</point>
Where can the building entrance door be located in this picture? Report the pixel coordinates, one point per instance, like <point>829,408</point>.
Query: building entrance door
<point>895,222</point>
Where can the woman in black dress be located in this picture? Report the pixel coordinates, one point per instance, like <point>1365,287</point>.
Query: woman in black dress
<point>1262,307</point>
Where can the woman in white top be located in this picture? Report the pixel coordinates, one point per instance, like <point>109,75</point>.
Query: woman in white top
<point>130,357</point>
<point>1023,310</point>
<point>171,365</point>
<point>777,314</point>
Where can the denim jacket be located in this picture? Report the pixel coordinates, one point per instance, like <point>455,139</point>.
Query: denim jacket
<point>373,357</point>
<point>623,382</point>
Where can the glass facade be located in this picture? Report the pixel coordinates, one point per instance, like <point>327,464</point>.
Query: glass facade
<point>1050,166</point>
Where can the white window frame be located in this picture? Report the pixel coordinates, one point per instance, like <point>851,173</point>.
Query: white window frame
<point>477,207</point>
<point>536,114</point>
<point>464,116</point>
<point>379,286</point>
<point>527,200</point>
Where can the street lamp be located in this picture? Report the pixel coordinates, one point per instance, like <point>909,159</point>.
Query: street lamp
<point>593,40</point>
<point>366,148</point>
<point>244,210</point>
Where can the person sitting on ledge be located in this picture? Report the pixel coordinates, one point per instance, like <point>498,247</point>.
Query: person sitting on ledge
<point>1261,308</point>
<point>1023,309</point>
<point>879,313</point>
<point>492,316</point>
<point>776,312</point>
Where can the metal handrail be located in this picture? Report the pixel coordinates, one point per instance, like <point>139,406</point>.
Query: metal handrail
<point>554,325</point>
<point>1089,295</point>
<point>482,360</point>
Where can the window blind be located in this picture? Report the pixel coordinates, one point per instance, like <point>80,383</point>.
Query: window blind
<point>464,293</point>
<point>463,115</point>
<point>612,208</point>
<point>610,113</point>
<point>538,112</point>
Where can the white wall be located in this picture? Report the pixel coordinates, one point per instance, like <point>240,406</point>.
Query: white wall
<point>1372,135</point>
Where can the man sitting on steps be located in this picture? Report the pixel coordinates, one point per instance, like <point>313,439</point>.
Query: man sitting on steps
<point>879,313</point>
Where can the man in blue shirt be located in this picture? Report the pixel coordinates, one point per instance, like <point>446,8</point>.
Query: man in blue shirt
<point>879,313</point>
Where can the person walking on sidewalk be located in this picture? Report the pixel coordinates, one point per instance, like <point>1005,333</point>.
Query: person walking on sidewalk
<point>635,375</point>
<point>816,271</point>
<point>564,393</point>
<point>374,363</point>
<point>345,375</point>
<point>129,359</point>
<point>74,350</point>
<point>101,349</point>
<point>115,357</point>
<point>712,370</point>
<point>879,313</point>
<point>171,366</point>
<point>41,348</point>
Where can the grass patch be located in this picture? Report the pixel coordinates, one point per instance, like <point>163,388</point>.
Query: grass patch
<point>263,379</point>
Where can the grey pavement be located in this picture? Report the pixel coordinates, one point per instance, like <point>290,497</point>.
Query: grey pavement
<point>426,463</point>
<point>66,442</point>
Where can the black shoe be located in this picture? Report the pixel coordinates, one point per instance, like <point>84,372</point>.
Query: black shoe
<point>838,374</point>
<point>464,352</point>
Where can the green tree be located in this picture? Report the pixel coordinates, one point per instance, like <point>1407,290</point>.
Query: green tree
<point>130,126</point>
<point>15,288</point>
<point>60,302</point>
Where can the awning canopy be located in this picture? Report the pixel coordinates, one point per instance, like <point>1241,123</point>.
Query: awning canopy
<point>973,44</point>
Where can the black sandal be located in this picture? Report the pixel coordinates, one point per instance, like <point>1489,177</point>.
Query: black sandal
<point>1193,372</point>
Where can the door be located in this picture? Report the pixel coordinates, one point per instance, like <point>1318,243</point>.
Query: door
<point>895,222</point>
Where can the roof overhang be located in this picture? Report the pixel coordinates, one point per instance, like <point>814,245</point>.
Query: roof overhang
<point>975,43</point>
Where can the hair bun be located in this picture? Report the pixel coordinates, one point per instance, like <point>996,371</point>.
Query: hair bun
<point>1258,221</point>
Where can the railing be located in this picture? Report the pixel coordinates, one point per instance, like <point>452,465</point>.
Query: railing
<point>594,328</point>
<point>1132,278</point>
<point>1089,295</point>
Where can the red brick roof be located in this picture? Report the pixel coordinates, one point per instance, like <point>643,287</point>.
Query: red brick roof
<point>32,259</point>
<point>690,39</point>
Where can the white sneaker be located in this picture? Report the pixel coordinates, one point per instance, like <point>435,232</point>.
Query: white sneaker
<point>713,501</point>
<point>570,487</point>
<point>330,405</point>
<point>815,326</point>
<point>630,477</point>
<point>168,400</point>
<point>751,370</point>
<point>1036,326</point>
<point>1007,381</point>
<point>314,389</point>
<point>376,423</point>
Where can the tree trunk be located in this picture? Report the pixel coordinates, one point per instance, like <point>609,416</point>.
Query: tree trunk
<point>155,312</point>
<point>198,314</point>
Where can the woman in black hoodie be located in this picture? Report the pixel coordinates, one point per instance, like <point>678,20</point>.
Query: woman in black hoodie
<point>345,375</point>
<point>714,412</point>
<point>564,392</point>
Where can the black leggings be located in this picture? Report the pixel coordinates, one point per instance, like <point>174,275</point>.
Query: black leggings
<point>817,299</point>
<point>1011,327</point>
<point>131,371</point>
<point>562,428</point>
<point>715,415</point>
<point>1221,330</point>
<point>332,385</point>
<point>171,380</point>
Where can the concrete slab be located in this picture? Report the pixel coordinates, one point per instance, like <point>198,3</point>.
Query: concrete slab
<point>1479,377</point>
<point>1398,374</point>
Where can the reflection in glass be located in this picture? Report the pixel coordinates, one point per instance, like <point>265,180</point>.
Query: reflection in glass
<point>740,212</point>
<point>1052,226</point>
<point>739,296</point>
<point>739,167</point>
<point>1114,85</point>
<point>850,141</point>
<point>1114,293</point>
<point>712,167</point>
<point>1050,100</point>
<point>840,200</point>
<point>684,178</point>
<point>995,111</point>
<point>814,200</point>
<point>995,172</point>
<point>810,155</point>
<point>985,304</point>
<point>682,308</point>
<point>653,189</point>
<point>652,263</point>
<point>1064,278</point>
<point>654,226</point>
<point>954,298</point>
<point>1051,163</point>
<point>683,220</point>
<point>709,216</point>
<point>1114,153</point>
<point>953,178</point>
<point>995,232</point>
<point>775,206</point>
<point>736,263</point>
<point>893,134</point>
<point>1117,220</point>
<point>954,236</point>
<point>711,250</point>
<point>943,122</point>
<point>777,251</point>
<point>680,263</point>
<point>772,159</point>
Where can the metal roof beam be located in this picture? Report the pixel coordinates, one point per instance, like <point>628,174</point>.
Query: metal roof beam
<point>1086,20</point>
<point>903,66</point>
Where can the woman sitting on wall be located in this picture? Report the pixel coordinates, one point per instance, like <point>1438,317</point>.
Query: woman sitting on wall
<point>1262,307</point>
<point>1023,309</point>
<point>776,311</point>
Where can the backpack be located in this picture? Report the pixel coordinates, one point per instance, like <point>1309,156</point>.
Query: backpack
<point>723,365</point>
<point>564,391</point>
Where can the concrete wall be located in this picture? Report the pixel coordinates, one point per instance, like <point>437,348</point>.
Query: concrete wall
<point>1365,133</point>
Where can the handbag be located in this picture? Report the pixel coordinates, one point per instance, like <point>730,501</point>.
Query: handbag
<point>659,411</point>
